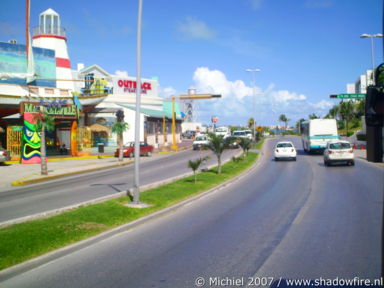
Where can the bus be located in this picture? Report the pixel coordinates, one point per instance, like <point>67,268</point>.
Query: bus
<point>224,131</point>
<point>316,133</point>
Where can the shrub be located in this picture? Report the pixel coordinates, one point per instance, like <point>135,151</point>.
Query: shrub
<point>361,137</point>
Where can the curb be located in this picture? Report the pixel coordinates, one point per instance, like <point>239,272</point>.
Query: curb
<point>50,256</point>
<point>46,178</point>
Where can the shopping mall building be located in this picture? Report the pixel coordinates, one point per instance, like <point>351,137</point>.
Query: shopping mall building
<point>83,102</point>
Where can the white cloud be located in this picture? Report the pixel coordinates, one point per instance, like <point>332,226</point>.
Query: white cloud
<point>323,105</point>
<point>192,28</point>
<point>167,92</point>
<point>215,81</point>
<point>123,74</point>
<point>237,102</point>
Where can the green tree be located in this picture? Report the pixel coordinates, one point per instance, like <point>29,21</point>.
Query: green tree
<point>359,108</point>
<point>251,121</point>
<point>119,128</point>
<point>333,112</point>
<point>194,165</point>
<point>284,119</point>
<point>245,144</point>
<point>346,112</point>
<point>313,116</point>
<point>44,122</point>
<point>298,124</point>
<point>217,145</point>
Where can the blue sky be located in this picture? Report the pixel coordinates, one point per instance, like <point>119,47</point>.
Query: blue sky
<point>306,49</point>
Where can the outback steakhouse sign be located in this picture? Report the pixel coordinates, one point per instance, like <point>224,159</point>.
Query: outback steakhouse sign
<point>129,86</point>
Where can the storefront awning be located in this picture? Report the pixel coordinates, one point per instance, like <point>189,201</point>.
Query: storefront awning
<point>155,113</point>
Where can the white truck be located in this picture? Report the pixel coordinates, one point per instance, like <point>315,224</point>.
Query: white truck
<point>316,133</point>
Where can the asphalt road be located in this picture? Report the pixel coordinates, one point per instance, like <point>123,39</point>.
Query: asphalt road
<point>47,196</point>
<point>284,219</point>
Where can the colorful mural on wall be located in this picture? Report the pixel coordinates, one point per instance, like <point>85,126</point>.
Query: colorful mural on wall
<point>30,150</point>
<point>13,59</point>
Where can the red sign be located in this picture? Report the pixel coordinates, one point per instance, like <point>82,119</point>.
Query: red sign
<point>131,85</point>
<point>214,119</point>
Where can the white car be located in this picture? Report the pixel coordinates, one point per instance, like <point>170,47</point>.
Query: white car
<point>200,142</point>
<point>285,150</point>
<point>338,151</point>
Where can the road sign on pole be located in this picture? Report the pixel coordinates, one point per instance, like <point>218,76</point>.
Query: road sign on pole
<point>349,96</point>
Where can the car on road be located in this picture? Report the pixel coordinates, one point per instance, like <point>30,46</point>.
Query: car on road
<point>189,134</point>
<point>339,151</point>
<point>129,149</point>
<point>201,142</point>
<point>232,142</point>
<point>285,150</point>
<point>4,155</point>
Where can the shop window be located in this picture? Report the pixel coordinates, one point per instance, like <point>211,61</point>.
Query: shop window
<point>34,90</point>
<point>49,91</point>
<point>64,92</point>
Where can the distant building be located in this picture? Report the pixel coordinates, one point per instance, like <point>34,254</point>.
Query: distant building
<point>360,86</point>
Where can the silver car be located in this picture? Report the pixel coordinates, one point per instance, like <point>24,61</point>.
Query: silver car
<point>338,151</point>
<point>4,155</point>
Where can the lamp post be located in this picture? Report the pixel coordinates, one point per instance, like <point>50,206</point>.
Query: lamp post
<point>253,71</point>
<point>136,185</point>
<point>372,51</point>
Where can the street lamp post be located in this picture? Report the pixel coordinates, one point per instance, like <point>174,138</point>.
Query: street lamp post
<point>372,51</point>
<point>253,71</point>
<point>136,185</point>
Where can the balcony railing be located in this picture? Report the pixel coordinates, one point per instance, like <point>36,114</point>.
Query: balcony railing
<point>55,30</point>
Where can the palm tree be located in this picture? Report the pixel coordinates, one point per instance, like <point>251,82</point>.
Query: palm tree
<point>346,112</point>
<point>44,122</point>
<point>245,144</point>
<point>194,165</point>
<point>251,121</point>
<point>298,124</point>
<point>333,112</point>
<point>284,119</point>
<point>119,128</point>
<point>217,145</point>
<point>313,116</point>
<point>360,108</point>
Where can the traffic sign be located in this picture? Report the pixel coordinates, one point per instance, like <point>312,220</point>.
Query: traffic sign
<point>349,96</point>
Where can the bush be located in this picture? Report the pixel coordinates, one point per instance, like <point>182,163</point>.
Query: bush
<point>350,133</point>
<point>340,125</point>
<point>356,124</point>
<point>361,137</point>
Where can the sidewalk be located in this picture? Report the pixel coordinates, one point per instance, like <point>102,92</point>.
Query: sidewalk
<point>360,153</point>
<point>15,174</point>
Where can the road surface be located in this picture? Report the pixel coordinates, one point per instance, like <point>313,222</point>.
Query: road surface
<point>283,220</point>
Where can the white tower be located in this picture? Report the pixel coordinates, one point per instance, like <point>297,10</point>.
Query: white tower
<point>50,35</point>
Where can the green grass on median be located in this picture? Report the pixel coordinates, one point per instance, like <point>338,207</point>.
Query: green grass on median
<point>25,241</point>
<point>259,144</point>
